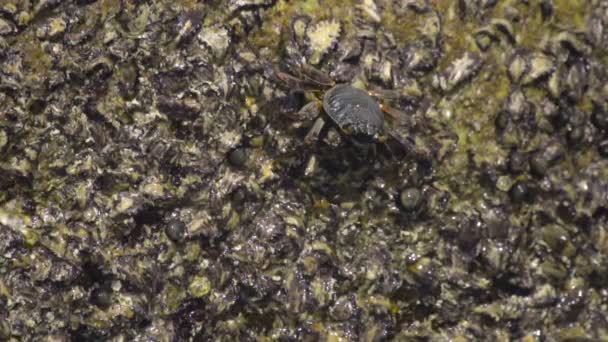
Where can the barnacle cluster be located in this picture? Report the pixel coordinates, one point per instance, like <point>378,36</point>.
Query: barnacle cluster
<point>154,185</point>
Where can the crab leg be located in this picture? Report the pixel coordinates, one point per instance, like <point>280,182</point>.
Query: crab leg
<point>305,77</point>
<point>314,132</point>
<point>315,75</point>
<point>295,83</point>
<point>395,114</point>
<point>310,111</point>
<point>384,93</point>
<point>408,146</point>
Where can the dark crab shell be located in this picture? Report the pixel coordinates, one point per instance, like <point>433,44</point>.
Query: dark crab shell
<point>354,110</point>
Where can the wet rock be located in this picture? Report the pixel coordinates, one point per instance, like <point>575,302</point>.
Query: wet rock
<point>155,184</point>
<point>600,118</point>
<point>523,192</point>
<point>543,159</point>
<point>602,148</point>
<point>518,162</point>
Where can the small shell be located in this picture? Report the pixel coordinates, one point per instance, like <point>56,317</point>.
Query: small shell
<point>418,57</point>
<point>539,65</point>
<point>350,50</point>
<point>546,9</point>
<point>554,84</point>
<point>82,30</point>
<point>432,27</point>
<point>3,47</point>
<point>298,27</point>
<point>344,72</point>
<point>100,67</point>
<point>370,10</point>
<point>6,27</point>
<point>216,38</point>
<point>418,6</point>
<point>321,38</point>
<point>245,5</point>
<point>505,27</point>
<point>596,31</point>
<point>188,24</point>
<point>577,80</point>
<point>529,68</point>
<point>517,104</point>
<point>52,29</point>
<point>546,157</point>
<point>459,71</point>
<point>570,42</point>
<point>517,67</point>
<point>484,38</point>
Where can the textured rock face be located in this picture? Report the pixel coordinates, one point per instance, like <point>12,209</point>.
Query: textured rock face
<point>155,184</point>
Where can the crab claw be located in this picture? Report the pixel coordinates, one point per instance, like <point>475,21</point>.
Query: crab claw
<point>408,146</point>
<point>299,76</point>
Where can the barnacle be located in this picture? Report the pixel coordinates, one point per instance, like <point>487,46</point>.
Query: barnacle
<point>216,38</point>
<point>322,37</point>
<point>6,27</point>
<point>459,71</point>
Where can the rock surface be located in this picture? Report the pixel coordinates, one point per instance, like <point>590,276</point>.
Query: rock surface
<point>155,184</point>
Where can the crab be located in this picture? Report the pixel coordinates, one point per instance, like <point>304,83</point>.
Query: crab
<point>355,112</point>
